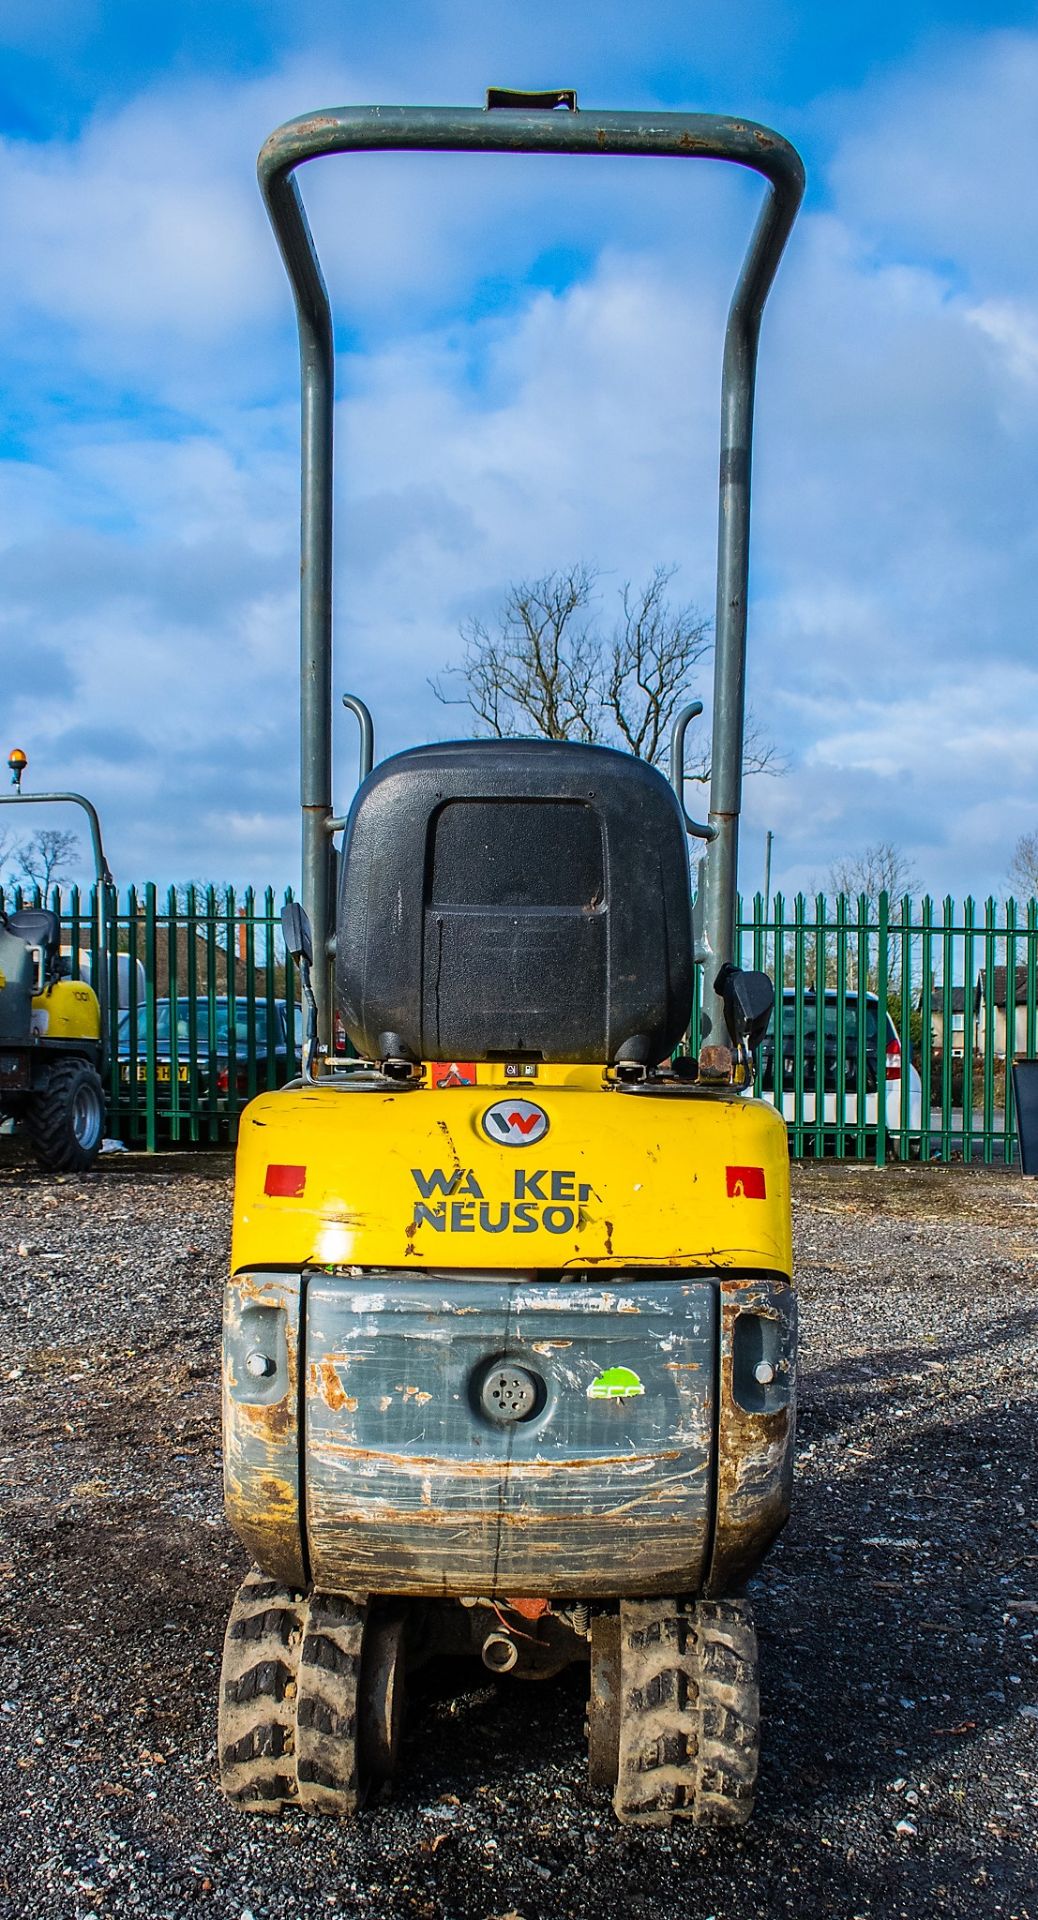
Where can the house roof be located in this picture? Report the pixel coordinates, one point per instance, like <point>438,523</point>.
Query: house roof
<point>958,1000</point>
<point>999,979</point>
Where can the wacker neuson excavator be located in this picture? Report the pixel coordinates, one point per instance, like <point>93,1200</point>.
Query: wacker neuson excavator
<point>509,1339</point>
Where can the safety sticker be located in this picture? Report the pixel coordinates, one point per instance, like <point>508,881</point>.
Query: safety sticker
<point>454,1073</point>
<point>616,1383</point>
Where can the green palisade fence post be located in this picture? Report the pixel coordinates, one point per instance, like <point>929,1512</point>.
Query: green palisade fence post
<point>799,1026</point>
<point>247,919</point>
<point>759,964</point>
<point>74,933</point>
<point>947,1056</point>
<point>821,982</point>
<point>905,1027</point>
<point>269,963</point>
<point>840,1086</point>
<point>173,991</point>
<point>861,982</point>
<point>1011,1048</point>
<point>926,1024</point>
<point>295,1034</point>
<point>882,1018</point>
<point>211,988</point>
<point>969,968</point>
<point>231,937</point>
<point>191,970</point>
<point>137,1060</point>
<point>150,955</point>
<point>990,1033</point>
<point>1031,975</point>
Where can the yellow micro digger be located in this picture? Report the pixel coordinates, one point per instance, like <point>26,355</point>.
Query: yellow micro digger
<point>509,1334</point>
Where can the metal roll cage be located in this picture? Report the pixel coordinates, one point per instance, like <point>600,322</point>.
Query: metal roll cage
<point>518,123</point>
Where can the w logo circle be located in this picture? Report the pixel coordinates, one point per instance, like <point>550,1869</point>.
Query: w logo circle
<point>515,1123</point>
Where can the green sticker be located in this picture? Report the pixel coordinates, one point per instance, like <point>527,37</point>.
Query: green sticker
<point>616,1383</point>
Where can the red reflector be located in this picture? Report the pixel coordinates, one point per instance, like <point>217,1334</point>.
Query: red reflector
<point>746,1183</point>
<point>285,1183</point>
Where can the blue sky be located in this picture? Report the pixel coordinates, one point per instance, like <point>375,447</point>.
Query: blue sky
<point>528,368</point>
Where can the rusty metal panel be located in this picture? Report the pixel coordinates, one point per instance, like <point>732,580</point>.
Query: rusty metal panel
<point>755,1427</point>
<point>261,1420</point>
<point>603,1487</point>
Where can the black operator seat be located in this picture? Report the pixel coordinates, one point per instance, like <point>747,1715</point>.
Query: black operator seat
<point>38,927</point>
<point>514,899</point>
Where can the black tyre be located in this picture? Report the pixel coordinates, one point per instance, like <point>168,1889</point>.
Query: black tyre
<point>689,1729</point>
<point>65,1120</point>
<point>311,1695</point>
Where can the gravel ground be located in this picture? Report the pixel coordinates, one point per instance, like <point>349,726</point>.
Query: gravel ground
<point>897,1615</point>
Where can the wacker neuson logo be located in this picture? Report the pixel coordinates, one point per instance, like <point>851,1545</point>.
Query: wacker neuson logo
<point>515,1123</point>
<point>542,1200</point>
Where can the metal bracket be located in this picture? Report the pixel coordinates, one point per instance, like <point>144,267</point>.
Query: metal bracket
<point>515,99</point>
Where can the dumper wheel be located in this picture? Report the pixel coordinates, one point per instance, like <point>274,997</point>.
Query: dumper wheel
<point>65,1119</point>
<point>689,1713</point>
<point>288,1732</point>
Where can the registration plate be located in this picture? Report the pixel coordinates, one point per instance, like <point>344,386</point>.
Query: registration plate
<point>161,1071</point>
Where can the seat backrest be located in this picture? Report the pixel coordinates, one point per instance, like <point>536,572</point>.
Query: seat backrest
<point>37,926</point>
<point>515,899</point>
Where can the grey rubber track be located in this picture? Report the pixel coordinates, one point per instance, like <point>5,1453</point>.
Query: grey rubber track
<point>689,1713</point>
<point>288,1700</point>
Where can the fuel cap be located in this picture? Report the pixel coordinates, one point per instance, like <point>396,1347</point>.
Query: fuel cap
<point>510,1393</point>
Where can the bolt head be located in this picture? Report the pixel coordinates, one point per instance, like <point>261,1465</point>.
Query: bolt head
<point>764,1373</point>
<point>260,1365</point>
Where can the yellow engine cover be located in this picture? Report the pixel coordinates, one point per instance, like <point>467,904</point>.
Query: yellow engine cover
<point>560,1172</point>
<point>68,1010</point>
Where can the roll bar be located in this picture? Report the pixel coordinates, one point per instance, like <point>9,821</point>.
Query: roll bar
<point>518,123</point>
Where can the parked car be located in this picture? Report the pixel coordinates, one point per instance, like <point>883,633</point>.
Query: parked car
<point>204,1075</point>
<point>898,1078</point>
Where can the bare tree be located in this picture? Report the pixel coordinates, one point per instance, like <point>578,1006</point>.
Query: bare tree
<point>548,668</point>
<point>49,857</point>
<point>536,672</point>
<point>6,856</point>
<point>1023,867</point>
<point>879,868</point>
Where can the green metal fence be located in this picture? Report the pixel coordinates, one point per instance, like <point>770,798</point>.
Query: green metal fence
<point>894,1028</point>
<point>896,1022</point>
<point>202,1002</point>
